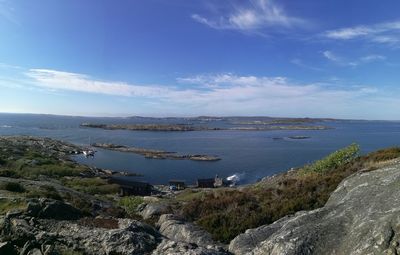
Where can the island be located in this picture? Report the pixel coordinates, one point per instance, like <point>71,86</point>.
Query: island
<point>148,127</point>
<point>155,154</point>
<point>187,127</point>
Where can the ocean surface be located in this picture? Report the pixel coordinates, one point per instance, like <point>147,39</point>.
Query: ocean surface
<point>250,154</point>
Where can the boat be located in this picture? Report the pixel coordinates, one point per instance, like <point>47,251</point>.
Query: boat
<point>88,151</point>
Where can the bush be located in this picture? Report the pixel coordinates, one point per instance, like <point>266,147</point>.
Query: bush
<point>13,187</point>
<point>335,159</point>
<point>130,204</point>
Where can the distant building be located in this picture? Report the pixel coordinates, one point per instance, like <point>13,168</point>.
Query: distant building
<point>205,183</point>
<point>132,188</point>
<point>177,185</point>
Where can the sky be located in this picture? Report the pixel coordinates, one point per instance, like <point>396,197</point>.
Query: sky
<point>309,58</point>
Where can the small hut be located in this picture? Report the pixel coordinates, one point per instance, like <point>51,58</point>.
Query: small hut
<point>177,185</point>
<point>205,183</point>
<point>132,188</point>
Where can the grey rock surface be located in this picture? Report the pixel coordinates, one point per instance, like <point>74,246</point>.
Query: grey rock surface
<point>170,247</point>
<point>362,216</point>
<point>176,229</point>
<point>154,210</point>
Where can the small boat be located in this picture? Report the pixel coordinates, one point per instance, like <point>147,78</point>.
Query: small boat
<point>88,151</point>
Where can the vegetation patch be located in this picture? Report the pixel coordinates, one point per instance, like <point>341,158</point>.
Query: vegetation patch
<point>13,187</point>
<point>11,204</point>
<point>93,186</point>
<point>225,213</point>
<point>130,204</point>
<point>46,191</point>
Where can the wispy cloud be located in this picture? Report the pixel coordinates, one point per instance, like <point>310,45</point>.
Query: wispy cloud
<point>253,16</point>
<point>59,80</point>
<point>353,63</point>
<point>384,33</point>
<point>7,12</point>
<point>224,93</point>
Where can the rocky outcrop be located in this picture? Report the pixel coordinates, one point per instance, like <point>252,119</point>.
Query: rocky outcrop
<point>361,217</point>
<point>185,235</point>
<point>52,209</point>
<point>154,210</point>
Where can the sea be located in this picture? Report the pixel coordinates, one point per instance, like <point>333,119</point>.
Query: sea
<point>250,155</point>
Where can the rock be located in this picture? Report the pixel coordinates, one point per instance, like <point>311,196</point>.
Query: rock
<point>35,251</point>
<point>52,209</point>
<point>154,210</point>
<point>175,248</point>
<point>362,216</point>
<point>178,230</point>
<point>133,237</point>
<point>7,248</point>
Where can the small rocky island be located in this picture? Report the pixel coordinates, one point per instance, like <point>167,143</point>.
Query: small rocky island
<point>155,154</point>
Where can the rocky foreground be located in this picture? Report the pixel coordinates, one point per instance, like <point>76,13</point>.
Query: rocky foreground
<point>45,212</point>
<point>360,217</point>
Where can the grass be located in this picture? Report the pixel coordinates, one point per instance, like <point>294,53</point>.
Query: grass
<point>93,186</point>
<point>225,213</point>
<point>11,204</point>
<point>130,204</point>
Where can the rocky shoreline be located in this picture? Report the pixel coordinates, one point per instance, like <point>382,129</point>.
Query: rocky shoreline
<point>155,154</point>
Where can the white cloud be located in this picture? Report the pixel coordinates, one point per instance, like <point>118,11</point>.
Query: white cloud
<point>255,16</point>
<point>384,33</point>
<point>218,94</point>
<point>332,57</point>
<point>353,63</point>
<point>59,80</point>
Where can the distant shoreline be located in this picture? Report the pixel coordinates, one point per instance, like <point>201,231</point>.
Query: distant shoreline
<point>187,127</point>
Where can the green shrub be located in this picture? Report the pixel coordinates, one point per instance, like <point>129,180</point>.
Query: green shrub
<point>130,204</point>
<point>13,187</point>
<point>335,159</point>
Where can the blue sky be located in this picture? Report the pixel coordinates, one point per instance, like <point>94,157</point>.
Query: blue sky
<point>330,58</point>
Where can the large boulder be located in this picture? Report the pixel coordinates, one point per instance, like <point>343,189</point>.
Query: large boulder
<point>362,216</point>
<point>52,209</point>
<point>154,210</point>
<point>186,236</point>
<point>131,237</point>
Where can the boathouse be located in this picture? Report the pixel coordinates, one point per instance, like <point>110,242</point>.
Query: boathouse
<point>205,183</point>
<point>132,188</point>
<point>177,184</point>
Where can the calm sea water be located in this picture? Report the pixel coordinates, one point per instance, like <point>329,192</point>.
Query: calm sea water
<point>253,154</point>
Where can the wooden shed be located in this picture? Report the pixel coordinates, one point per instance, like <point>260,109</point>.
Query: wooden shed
<point>205,183</point>
<point>132,188</point>
<point>177,184</point>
